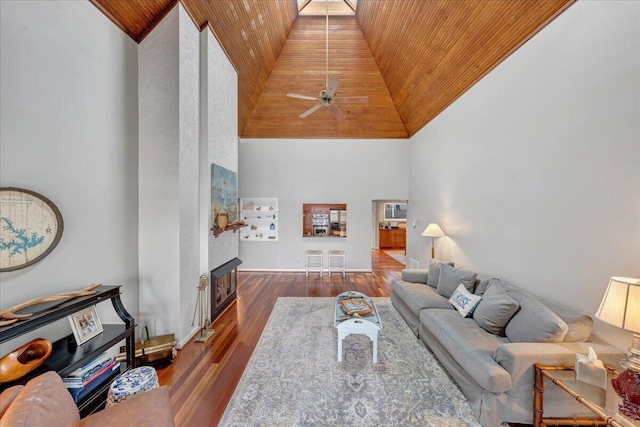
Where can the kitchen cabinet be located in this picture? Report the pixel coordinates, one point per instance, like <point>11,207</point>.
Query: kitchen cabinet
<point>315,225</point>
<point>394,238</point>
<point>261,218</point>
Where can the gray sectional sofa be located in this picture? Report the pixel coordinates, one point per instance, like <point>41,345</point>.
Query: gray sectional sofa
<point>490,353</point>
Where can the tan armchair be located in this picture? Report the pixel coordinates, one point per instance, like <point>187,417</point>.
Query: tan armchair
<point>44,401</point>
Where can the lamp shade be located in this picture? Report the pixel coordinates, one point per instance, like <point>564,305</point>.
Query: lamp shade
<point>620,304</point>
<point>433,230</point>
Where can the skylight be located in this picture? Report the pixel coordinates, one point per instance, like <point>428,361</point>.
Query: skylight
<point>319,7</point>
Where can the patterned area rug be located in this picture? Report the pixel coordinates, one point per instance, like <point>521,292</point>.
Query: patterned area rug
<point>294,379</point>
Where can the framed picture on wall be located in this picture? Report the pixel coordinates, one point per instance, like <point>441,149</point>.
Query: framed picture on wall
<point>224,193</point>
<point>85,324</point>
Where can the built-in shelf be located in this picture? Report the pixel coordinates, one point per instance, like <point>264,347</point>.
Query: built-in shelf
<point>261,217</point>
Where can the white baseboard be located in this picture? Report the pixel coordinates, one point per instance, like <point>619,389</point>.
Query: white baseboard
<point>298,270</point>
<point>190,337</point>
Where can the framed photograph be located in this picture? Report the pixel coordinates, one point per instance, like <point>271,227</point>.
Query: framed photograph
<point>85,324</point>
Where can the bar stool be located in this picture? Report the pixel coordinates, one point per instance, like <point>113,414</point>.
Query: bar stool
<point>313,261</point>
<point>337,262</point>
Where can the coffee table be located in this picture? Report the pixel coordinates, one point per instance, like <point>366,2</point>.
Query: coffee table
<point>368,325</point>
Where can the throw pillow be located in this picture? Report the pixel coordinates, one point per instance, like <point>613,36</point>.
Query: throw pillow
<point>481,286</point>
<point>495,310</point>
<point>535,323</point>
<point>451,277</point>
<point>464,301</point>
<point>434,272</point>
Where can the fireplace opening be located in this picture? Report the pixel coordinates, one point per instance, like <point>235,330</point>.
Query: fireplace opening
<point>223,286</point>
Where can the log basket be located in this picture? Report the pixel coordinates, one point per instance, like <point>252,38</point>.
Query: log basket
<point>159,350</point>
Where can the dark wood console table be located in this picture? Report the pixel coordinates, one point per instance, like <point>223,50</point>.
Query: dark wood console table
<point>66,355</point>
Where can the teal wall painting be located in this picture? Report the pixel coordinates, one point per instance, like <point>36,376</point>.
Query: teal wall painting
<point>224,192</point>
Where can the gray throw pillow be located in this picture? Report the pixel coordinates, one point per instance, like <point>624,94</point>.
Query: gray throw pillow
<point>481,286</point>
<point>534,323</point>
<point>434,272</point>
<point>495,310</point>
<point>451,277</point>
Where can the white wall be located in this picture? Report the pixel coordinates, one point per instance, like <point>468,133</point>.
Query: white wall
<point>533,173</point>
<point>169,200</point>
<point>354,172</point>
<point>68,79</point>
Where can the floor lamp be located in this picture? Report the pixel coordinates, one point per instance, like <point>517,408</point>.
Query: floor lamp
<point>433,230</point>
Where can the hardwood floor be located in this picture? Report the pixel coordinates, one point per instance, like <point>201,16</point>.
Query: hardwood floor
<point>202,378</point>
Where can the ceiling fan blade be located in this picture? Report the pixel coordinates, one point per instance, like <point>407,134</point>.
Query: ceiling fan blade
<point>354,99</point>
<point>309,111</point>
<point>295,95</point>
<point>333,85</point>
<point>336,112</point>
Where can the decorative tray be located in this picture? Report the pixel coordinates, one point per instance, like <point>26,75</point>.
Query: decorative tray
<point>358,306</point>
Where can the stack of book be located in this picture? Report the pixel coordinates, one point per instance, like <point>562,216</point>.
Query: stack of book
<point>85,379</point>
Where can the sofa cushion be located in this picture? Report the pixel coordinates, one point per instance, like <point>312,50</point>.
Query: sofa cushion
<point>464,301</point>
<point>451,277</point>
<point>149,409</point>
<point>434,271</point>
<point>414,275</point>
<point>578,328</point>
<point>495,310</point>
<point>470,346</point>
<point>7,396</point>
<point>534,322</point>
<point>579,325</point>
<point>482,282</point>
<point>42,400</point>
<point>417,296</point>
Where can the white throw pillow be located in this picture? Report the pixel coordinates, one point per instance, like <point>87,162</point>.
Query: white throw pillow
<point>464,301</point>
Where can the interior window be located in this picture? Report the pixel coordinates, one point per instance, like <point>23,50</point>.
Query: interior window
<point>395,211</point>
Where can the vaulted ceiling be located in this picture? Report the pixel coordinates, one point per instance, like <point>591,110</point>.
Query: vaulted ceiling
<point>411,58</point>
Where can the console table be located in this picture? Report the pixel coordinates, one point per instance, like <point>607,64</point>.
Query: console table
<point>66,356</point>
<point>603,403</point>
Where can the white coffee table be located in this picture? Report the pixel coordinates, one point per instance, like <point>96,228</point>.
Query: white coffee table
<point>366,325</point>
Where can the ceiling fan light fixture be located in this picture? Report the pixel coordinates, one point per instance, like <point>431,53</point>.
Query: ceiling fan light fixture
<point>327,97</point>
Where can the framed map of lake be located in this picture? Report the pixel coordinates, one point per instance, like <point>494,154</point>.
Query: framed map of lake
<point>30,227</point>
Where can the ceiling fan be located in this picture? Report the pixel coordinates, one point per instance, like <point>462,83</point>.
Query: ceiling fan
<point>327,97</point>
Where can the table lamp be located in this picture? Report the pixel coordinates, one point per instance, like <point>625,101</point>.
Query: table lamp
<point>433,230</point>
<point>620,307</point>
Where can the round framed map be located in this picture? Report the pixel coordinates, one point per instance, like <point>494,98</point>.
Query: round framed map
<point>30,227</point>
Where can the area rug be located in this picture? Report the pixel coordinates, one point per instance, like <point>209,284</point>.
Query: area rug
<point>398,256</point>
<point>294,379</point>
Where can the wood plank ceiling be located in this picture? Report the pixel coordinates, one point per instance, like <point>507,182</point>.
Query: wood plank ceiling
<point>412,58</point>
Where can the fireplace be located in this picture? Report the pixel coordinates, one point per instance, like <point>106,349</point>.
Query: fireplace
<point>223,286</point>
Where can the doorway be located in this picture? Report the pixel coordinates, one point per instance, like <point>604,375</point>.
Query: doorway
<point>389,228</point>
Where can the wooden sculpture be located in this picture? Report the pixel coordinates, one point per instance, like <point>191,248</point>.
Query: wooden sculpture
<point>24,359</point>
<point>10,315</point>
